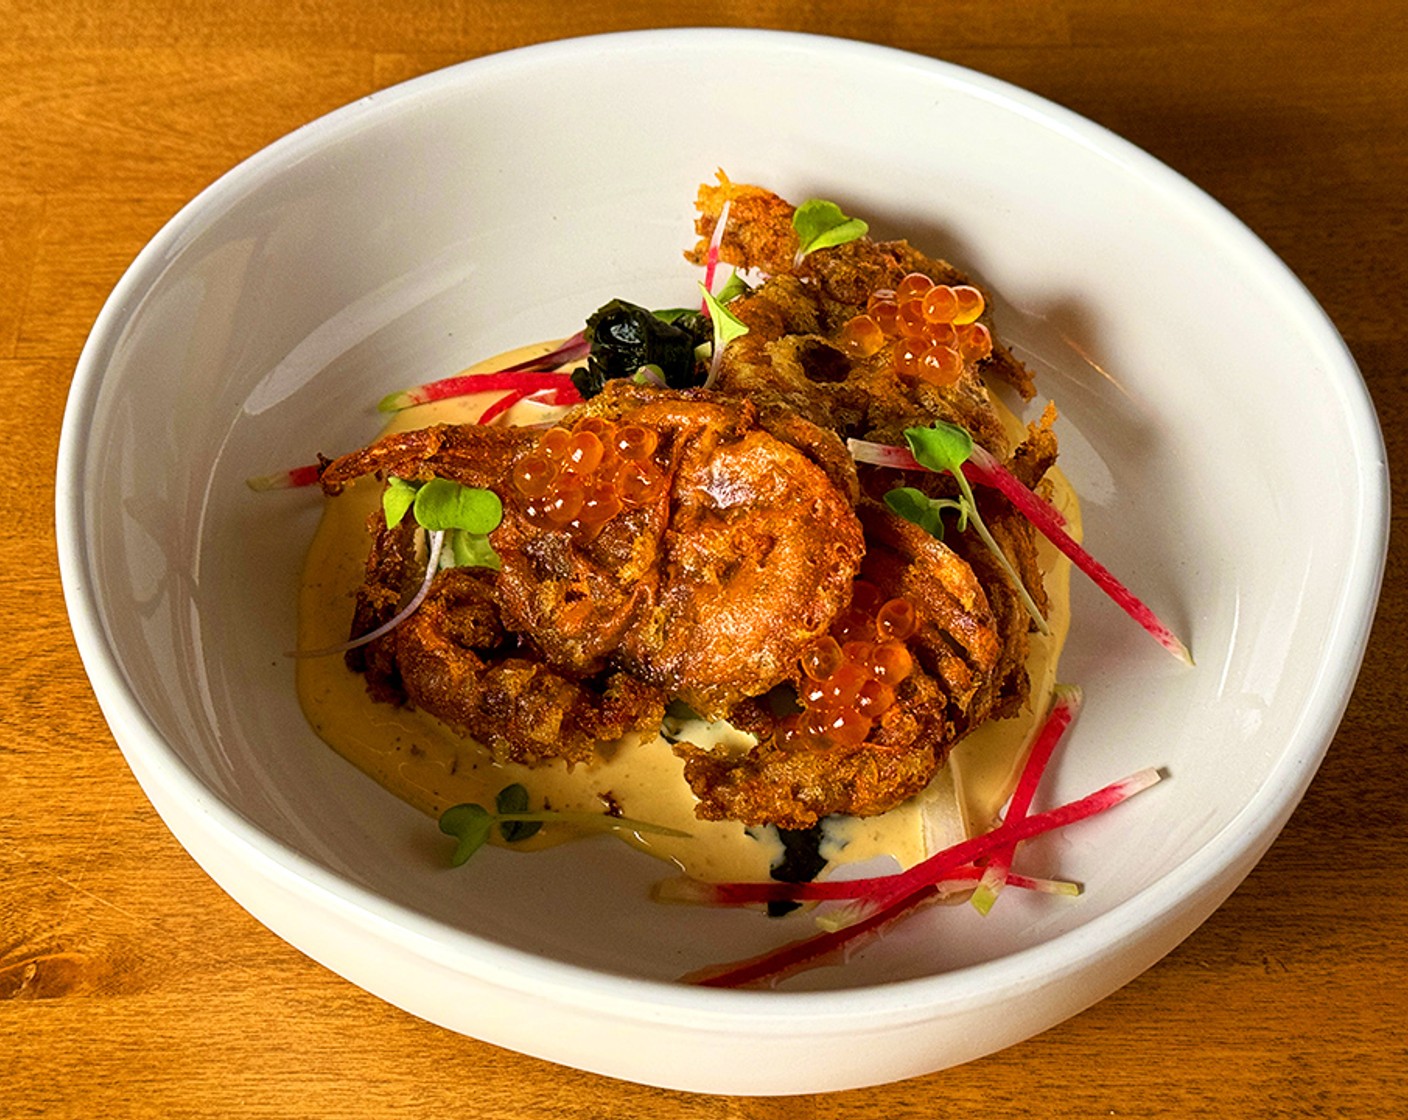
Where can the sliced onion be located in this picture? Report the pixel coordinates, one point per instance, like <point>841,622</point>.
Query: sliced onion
<point>432,565</point>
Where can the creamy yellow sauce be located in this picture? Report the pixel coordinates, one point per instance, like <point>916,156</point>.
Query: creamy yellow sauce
<point>421,760</point>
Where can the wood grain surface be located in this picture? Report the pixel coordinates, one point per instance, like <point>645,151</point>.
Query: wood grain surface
<point>130,985</point>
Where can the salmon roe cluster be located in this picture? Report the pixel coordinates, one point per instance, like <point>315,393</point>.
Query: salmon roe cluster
<point>849,676</point>
<point>577,479</point>
<point>933,327</point>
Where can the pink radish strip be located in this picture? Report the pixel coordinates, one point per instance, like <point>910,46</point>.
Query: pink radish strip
<point>1066,701</point>
<point>286,480</point>
<point>1039,513</point>
<point>812,951</point>
<point>527,381</point>
<point>502,405</point>
<point>531,376</point>
<point>984,469</point>
<point>860,909</point>
<point>797,956</point>
<point>1065,704</point>
<point>883,455</point>
<point>809,952</point>
<point>981,468</point>
<point>552,398</point>
<point>711,258</point>
<point>432,565</point>
<point>568,351</point>
<point>1104,579</point>
<point>937,867</point>
<point>683,889</point>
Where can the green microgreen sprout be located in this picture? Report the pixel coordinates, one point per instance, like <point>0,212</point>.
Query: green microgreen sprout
<point>946,447</point>
<point>514,799</point>
<point>442,504</point>
<point>396,499</point>
<point>734,287</point>
<point>822,225</point>
<point>473,550</point>
<point>727,325</point>
<point>465,513</point>
<point>926,512</point>
<point>472,824</point>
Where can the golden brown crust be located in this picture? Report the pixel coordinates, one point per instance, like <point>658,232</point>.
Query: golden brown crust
<point>464,453</point>
<point>957,648</point>
<point>759,232</point>
<point>452,658</point>
<point>791,350</point>
<point>708,593</point>
<point>796,788</point>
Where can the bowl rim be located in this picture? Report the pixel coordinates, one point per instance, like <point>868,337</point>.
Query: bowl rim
<point>1241,840</point>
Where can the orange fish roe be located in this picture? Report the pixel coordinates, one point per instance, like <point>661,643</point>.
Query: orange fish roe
<point>850,675</point>
<point>897,619</point>
<point>934,328</point>
<point>883,309</point>
<point>579,479</point>
<point>861,337</point>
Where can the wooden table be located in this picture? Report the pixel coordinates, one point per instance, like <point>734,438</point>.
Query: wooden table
<point>131,985</point>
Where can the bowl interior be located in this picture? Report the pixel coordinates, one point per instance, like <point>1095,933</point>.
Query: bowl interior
<point>1209,417</point>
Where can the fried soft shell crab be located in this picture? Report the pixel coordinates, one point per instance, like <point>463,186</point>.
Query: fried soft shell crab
<point>723,551</point>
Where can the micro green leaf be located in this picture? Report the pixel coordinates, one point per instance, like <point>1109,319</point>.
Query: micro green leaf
<point>442,504</point>
<point>396,499</point>
<point>469,824</point>
<point>946,447</point>
<point>822,225</point>
<point>924,511</point>
<point>727,325</point>
<point>941,447</point>
<point>472,824</point>
<point>514,799</point>
<point>984,469</point>
<point>473,550</point>
<point>734,287</point>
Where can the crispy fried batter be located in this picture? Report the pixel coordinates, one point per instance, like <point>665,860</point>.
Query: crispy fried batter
<point>809,372</point>
<point>453,658</point>
<point>742,592</point>
<point>957,648</point>
<point>463,453</point>
<point>759,230</point>
<point>1036,454</point>
<point>717,595</point>
<point>796,788</point>
<point>709,592</point>
<point>959,641</point>
<point>385,586</point>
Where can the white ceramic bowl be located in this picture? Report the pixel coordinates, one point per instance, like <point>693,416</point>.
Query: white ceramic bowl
<point>1230,462</point>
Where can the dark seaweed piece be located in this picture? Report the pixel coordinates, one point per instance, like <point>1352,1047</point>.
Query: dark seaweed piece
<point>625,336</point>
<point>801,862</point>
